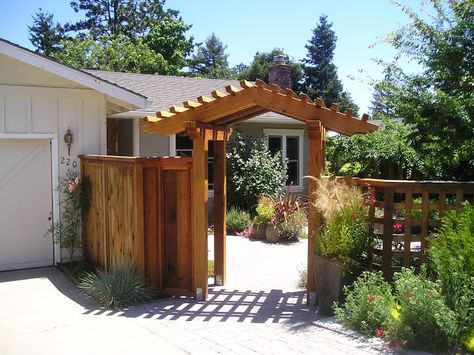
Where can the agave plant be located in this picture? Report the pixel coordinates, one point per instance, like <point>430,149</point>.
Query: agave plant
<point>116,288</point>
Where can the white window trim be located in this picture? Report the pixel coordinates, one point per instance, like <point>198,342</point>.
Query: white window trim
<point>290,133</point>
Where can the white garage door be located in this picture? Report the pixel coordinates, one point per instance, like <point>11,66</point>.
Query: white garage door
<point>25,204</point>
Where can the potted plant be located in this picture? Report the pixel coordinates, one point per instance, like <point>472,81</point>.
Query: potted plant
<point>288,218</point>
<point>265,212</point>
<point>343,240</point>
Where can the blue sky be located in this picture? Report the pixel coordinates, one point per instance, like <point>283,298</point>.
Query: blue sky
<point>248,26</point>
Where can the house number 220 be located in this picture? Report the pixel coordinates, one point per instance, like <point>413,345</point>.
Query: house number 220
<point>68,162</point>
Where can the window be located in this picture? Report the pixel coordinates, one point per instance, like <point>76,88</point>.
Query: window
<point>184,148</point>
<point>290,144</point>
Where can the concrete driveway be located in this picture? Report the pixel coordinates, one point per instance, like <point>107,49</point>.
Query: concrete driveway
<point>42,312</point>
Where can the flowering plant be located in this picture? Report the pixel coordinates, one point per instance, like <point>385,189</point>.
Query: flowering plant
<point>397,228</point>
<point>346,232</point>
<point>75,201</point>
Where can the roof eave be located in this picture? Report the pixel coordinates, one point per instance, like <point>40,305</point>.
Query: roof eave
<point>130,99</point>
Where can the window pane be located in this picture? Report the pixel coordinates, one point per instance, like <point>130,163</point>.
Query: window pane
<point>186,153</point>
<point>292,148</point>
<point>292,172</point>
<point>274,144</point>
<point>183,142</point>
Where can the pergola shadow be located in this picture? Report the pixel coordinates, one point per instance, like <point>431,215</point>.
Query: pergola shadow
<point>226,305</point>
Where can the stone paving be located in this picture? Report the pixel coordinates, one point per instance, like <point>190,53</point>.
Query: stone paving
<point>259,311</point>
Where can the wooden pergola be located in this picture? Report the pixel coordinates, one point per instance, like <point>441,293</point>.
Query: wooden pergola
<point>209,119</point>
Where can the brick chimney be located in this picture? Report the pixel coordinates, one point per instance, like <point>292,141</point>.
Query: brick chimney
<point>280,73</point>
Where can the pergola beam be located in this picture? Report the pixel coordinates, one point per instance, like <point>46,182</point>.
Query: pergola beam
<point>231,107</point>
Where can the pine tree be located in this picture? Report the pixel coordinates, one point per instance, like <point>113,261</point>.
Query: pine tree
<point>211,60</point>
<point>142,28</point>
<point>319,72</point>
<point>45,34</point>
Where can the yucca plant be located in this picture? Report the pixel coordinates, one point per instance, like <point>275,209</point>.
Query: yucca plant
<point>116,288</point>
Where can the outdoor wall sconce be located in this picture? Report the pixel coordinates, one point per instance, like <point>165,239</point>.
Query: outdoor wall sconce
<point>68,139</point>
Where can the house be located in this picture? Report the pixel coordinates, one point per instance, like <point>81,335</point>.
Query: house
<point>284,134</point>
<point>40,101</point>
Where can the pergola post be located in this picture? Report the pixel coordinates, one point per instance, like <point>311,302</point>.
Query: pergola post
<point>220,212</point>
<point>199,206</point>
<point>316,142</point>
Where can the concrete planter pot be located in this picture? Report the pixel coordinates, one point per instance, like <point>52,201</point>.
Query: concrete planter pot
<point>260,230</point>
<point>271,233</point>
<point>328,278</point>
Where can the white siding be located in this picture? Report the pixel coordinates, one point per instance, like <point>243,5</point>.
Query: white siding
<point>32,112</point>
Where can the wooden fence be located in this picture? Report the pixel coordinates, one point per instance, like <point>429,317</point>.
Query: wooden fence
<point>140,215</point>
<point>405,214</point>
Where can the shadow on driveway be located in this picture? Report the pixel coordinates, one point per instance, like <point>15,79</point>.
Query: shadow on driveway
<point>274,306</point>
<point>223,305</point>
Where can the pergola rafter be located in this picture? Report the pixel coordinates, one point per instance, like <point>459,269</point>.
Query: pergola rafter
<point>208,120</point>
<point>255,99</point>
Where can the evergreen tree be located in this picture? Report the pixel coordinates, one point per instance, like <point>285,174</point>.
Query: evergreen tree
<point>319,72</point>
<point>261,62</point>
<point>211,60</point>
<point>132,18</point>
<point>112,53</point>
<point>45,34</point>
<point>141,25</point>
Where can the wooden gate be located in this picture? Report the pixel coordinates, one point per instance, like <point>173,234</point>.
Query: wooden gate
<point>141,216</point>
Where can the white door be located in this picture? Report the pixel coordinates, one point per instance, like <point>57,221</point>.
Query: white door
<point>25,204</point>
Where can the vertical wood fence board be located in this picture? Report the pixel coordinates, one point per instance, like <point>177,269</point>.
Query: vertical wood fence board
<point>407,229</point>
<point>125,225</point>
<point>93,226</point>
<point>151,227</point>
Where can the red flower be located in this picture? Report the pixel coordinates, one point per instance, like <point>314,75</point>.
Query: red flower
<point>397,227</point>
<point>379,333</point>
<point>371,298</point>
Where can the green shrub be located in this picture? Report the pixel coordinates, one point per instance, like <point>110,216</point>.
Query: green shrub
<point>265,210</point>
<point>428,322</point>
<point>346,232</point>
<point>237,221</point>
<point>210,268</point>
<point>252,170</point>
<point>451,253</point>
<point>116,288</point>
<point>302,279</point>
<point>291,226</point>
<point>368,304</point>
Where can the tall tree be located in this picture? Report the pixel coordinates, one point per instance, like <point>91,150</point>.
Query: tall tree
<point>168,39</point>
<point>319,72</point>
<point>211,60</point>
<point>258,68</point>
<point>45,34</point>
<point>112,53</point>
<point>439,101</point>
<point>141,24</point>
<point>132,18</point>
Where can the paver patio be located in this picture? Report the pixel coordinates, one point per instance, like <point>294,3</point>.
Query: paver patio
<point>260,310</point>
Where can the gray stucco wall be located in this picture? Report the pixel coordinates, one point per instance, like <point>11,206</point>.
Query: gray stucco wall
<point>154,145</point>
